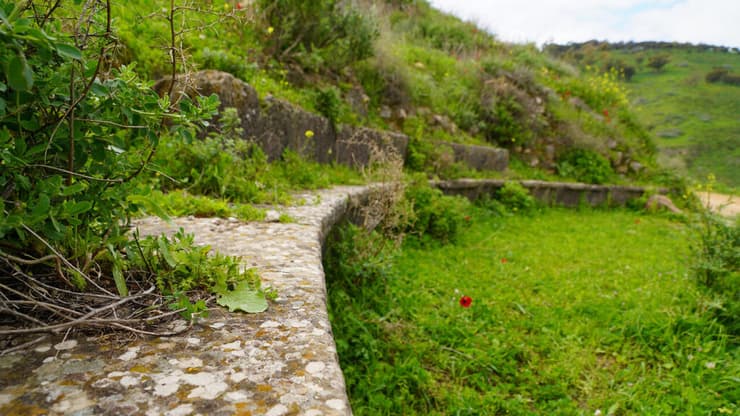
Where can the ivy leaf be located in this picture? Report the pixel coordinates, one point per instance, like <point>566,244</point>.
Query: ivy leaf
<point>242,298</point>
<point>20,75</point>
<point>68,51</point>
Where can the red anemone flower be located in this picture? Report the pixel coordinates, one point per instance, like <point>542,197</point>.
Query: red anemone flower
<point>466,301</point>
<point>504,261</point>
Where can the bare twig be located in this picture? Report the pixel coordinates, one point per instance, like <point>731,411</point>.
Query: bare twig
<point>24,345</point>
<point>85,319</point>
<point>65,261</point>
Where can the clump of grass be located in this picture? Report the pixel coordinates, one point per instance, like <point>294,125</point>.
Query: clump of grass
<point>573,312</point>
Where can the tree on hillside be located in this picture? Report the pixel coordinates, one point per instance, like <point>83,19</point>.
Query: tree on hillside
<point>657,62</point>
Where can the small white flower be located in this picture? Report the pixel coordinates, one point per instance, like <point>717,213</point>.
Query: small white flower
<point>710,364</point>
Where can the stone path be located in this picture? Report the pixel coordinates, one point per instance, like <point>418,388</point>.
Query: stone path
<point>281,362</point>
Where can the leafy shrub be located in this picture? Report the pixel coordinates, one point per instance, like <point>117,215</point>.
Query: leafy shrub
<point>316,33</point>
<point>73,143</point>
<point>717,266</point>
<point>328,103</point>
<point>657,62</point>
<point>722,75</point>
<point>435,215</point>
<point>716,75</point>
<point>515,197</point>
<point>585,166</point>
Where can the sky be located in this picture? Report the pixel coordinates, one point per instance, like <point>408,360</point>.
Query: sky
<point>715,22</point>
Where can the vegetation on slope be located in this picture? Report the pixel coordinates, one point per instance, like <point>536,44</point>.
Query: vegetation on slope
<point>690,103</point>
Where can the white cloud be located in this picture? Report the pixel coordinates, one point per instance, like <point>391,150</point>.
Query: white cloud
<point>696,21</point>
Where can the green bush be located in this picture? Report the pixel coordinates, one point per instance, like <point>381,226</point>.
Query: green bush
<point>435,215</point>
<point>516,197</point>
<point>585,166</point>
<point>317,34</point>
<point>717,266</point>
<point>657,62</point>
<point>73,145</point>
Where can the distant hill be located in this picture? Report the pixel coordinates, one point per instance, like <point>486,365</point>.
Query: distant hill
<point>691,104</point>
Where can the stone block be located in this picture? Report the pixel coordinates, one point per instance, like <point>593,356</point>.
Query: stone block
<point>356,146</point>
<point>481,157</point>
<point>286,126</point>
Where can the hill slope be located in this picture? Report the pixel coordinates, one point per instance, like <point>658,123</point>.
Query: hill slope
<point>696,123</point>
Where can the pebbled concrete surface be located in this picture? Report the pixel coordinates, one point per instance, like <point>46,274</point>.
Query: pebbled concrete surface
<point>281,362</point>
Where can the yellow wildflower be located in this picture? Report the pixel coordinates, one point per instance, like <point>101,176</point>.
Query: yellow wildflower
<point>309,133</point>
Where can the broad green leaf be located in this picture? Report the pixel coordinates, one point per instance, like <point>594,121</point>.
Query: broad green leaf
<point>73,189</point>
<point>243,298</point>
<point>76,208</point>
<point>20,76</point>
<point>68,51</point>
<point>41,209</point>
<point>165,251</point>
<point>118,272</point>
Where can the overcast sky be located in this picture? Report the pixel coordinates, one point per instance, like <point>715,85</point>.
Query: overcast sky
<point>715,22</point>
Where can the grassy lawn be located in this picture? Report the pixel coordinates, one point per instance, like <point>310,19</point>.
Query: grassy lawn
<point>573,312</point>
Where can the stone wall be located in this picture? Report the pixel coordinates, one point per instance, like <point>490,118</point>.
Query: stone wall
<point>278,125</point>
<point>551,193</point>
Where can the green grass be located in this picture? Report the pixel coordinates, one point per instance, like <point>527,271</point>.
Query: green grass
<point>572,311</point>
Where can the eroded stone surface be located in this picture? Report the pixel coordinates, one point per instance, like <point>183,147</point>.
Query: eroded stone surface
<point>281,362</point>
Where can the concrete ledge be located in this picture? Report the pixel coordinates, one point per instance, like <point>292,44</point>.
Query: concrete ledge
<point>281,362</point>
<point>562,193</point>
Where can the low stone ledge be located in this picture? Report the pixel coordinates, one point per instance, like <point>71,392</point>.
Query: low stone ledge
<point>280,362</point>
<point>562,193</point>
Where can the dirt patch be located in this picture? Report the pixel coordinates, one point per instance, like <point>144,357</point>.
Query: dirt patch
<point>727,205</point>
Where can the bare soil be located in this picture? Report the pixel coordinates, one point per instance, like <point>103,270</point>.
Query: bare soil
<point>727,205</point>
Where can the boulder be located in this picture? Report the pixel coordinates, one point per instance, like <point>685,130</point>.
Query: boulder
<point>657,202</point>
<point>480,157</point>
<point>232,92</point>
<point>286,126</point>
<point>358,146</point>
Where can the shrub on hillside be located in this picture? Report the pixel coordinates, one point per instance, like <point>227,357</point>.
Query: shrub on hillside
<point>722,75</point>
<point>657,62</point>
<point>316,34</point>
<point>585,166</point>
<point>435,215</point>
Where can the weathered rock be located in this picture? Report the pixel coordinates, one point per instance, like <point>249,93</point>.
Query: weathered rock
<point>480,157</point>
<point>636,166</point>
<point>358,146</point>
<point>358,101</point>
<point>286,126</point>
<point>566,194</point>
<point>232,92</point>
<point>657,202</point>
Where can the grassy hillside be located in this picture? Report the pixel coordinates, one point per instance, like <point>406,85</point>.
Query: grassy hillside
<point>696,123</point>
<point>405,66</point>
